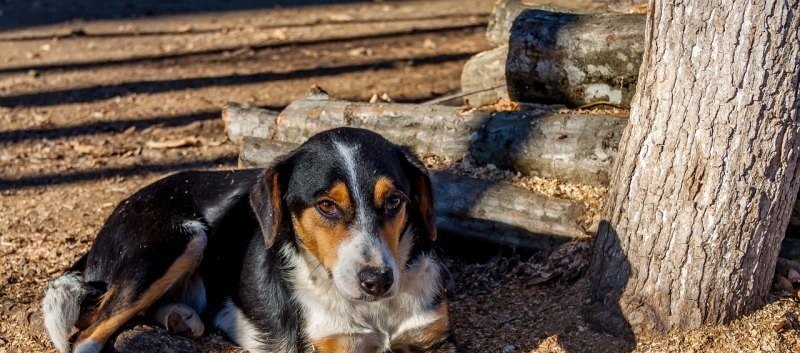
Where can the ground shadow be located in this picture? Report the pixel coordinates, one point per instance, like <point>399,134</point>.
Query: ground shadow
<point>101,92</point>
<point>498,303</point>
<point>100,127</point>
<point>225,50</point>
<point>100,173</point>
<point>23,13</point>
<point>79,33</point>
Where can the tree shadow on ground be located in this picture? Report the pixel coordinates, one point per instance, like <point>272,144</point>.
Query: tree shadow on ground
<point>22,13</point>
<point>503,308</point>
<point>101,92</point>
<point>88,65</point>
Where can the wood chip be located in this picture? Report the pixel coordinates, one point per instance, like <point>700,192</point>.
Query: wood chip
<point>182,142</point>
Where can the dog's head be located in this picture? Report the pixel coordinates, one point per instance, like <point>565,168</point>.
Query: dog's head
<point>353,201</point>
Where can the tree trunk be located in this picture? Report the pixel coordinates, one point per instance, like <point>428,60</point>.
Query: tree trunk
<point>707,171</point>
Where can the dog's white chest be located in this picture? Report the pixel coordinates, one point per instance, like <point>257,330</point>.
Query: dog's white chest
<point>371,326</point>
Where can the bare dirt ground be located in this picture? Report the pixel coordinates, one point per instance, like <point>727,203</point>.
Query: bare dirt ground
<point>89,111</point>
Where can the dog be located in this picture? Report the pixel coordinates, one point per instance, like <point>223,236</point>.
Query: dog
<point>331,249</point>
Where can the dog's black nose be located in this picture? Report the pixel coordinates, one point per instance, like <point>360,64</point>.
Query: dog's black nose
<point>376,281</point>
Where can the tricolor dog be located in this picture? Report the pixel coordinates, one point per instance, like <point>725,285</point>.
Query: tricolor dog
<point>328,250</point>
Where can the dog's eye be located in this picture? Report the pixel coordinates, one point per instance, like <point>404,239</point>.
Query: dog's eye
<point>327,208</point>
<point>393,202</point>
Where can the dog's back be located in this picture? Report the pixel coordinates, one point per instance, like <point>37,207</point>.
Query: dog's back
<point>149,246</point>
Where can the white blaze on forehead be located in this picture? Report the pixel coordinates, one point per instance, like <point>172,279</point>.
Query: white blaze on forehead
<point>348,154</point>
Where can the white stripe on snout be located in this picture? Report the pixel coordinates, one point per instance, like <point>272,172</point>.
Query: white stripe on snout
<point>348,156</point>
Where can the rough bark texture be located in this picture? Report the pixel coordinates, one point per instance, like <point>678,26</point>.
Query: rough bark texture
<point>502,213</point>
<point>708,166</point>
<point>576,148</point>
<point>242,120</point>
<point>574,59</point>
<point>261,152</point>
<point>485,72</point>
<point>506,11</point>
<point>430,129</point>
<point>472,207</point>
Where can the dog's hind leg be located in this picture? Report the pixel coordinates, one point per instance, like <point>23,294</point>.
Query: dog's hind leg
<point>179,311</point>
<point>179,318</point>
<point>119,306</point>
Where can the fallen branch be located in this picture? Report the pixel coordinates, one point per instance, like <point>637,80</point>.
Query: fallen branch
<point>243,120</point>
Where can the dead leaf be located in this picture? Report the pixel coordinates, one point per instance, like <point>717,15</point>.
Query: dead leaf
<point>781,283</point>
<point>279,34</point>
<point>182,142</point>
<point>81,148</point>
<point>340,17</point>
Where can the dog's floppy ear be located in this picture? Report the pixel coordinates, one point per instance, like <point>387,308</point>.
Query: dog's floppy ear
<point>266,200</point>
<point>422,197</point>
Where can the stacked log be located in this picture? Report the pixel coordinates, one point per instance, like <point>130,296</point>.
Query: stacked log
<point>571,56</point>
<point>574,59</point>
<point>505,12</point>
<point>575,148</point>
<point>485,74</point>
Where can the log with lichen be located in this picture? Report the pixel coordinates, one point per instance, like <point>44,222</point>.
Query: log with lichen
<point>574,148</point>
<point>574,59</point>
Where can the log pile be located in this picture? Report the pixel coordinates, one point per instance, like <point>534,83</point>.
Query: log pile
<point>575,148</point>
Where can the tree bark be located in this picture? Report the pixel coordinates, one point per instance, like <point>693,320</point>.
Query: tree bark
<point>574,59</point>
<point>242,120</point>
<point>497,212</point>
<point>575,148</point>
<point>708,167</point>
<point>431,129</point>
<point>506,11</point>
<point>485,72</point>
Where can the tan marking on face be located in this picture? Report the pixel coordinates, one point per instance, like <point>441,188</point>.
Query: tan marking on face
<point>392,228</point>
<point>321,236</point>
<point>384,188</point>
<point>341,196</point>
